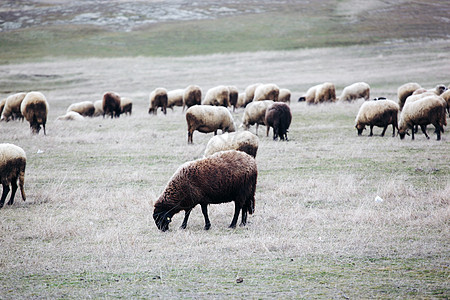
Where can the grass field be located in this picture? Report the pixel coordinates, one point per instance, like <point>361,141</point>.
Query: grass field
<point>86,229</point>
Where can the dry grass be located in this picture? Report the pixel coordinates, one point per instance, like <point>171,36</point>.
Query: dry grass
<point>86,229</point>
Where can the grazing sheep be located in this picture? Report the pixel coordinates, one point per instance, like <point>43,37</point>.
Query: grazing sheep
<point>158,98</point>
<point>98,105</point>
<point>70,116</point>
<point>278,116</point>
<point>355,91</point>
<point>12,107</point>
<point>34,108</point>
<point>250,93</point>
<point>218,96</point>
<point>126,105</point>
<point>406,90</point>
<point>428,110</point>
<point>85,108</point>
<point>111,104</point>
<point>268,91</point>
<point>241,100</point>
<point>446,97</point>
<point>310,95</point>
<point>379,113</point>
<point>234,94</point>
<point>205,118</point>
<point>255,113</point>
<point>223,177</point>
<point>192,96</point>
<point>244,141</point>
<point>12,168</point>
<point>326,92</point>
<point>175,98</point>
<point>284,96</point>
<point>438,90</point>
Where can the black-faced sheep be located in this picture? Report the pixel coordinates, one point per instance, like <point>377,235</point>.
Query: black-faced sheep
<point>250,93</point>
<point>111,104</point>
<point>12,107</point>
<point>70,116</point>
<point>223,177</point>
<point>158,98</point>
<point>406,90</point>
<point>34,108</point>
<point>326,92</point>
<point>175,98</point>
<point>205,118</point>
<point>244,141</point>
<point>278,116</point>
<point>355,91</point>
<point>255,113</point>
<point>192,96</point>
<point>12,168</point>
<point>268,91</point>
<point>284,96</point>
<point>427,110</point>
<point>126,105</point>
<point>85,108</point>
<point>233,96</point>
<point>218,96</point>
<point>379,113</point>
<point>98,105</point>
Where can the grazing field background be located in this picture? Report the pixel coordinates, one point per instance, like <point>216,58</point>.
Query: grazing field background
<point>86,228</point>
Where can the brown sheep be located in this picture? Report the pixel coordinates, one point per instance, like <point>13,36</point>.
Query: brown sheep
<point>222,177</point>
<point>12,168</point>
<point>326,92</point>
<point>278,116</point>
<point>192,96</point>
<point>111,104</point>
<point>158,98</point>
<point>234,94</point>
<point>85,108</point>
<point>34,108</point>
<point>126,106</point>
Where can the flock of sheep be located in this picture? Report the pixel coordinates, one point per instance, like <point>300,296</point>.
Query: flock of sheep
<point>228,171</point>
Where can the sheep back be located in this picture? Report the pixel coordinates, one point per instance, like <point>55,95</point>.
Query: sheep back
<point>406,90</point>
<point>355,91</point>
<point>379,113</point>
<point>268,91</point>
<point>111,104</point>
<point>255,113</point>
<point>446,97</point>
<point>13,161</point>
<point>98,105</point>
<point>85,108</point>
<point>250,92</point>
<point>12,109</point>
<point>192,96</point>
<point>218,96</point>
<point>158,98</point>
<point>241,100</point>
<point>126,105</point>
<point>326,92</point>
<point>278,116</point>
<point>175,98</point>
<point>70,116</point>
<point>310,95</point>
<point>241,141</point>
<point>284,96</point>
<point>34,108</point>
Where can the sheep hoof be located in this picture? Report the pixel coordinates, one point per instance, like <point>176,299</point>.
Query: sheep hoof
<point>207,226</point>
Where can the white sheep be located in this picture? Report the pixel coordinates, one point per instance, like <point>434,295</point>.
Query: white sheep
<point>326,92</point>
<point>380,113</point>
<point>158,98</point>
<point>218,96</point>
<point>446,96</point>
<point>70,116</point>
<point>284,96</point>
<point>355,91</point>
<point>310,95</point>
<point>12,107</point>
<point>255,113</point>
<point>406,90</point>
<point>34,108</point>
<point>98,105</point>
<point>427,110</point>
<point>12,168</point>
<point>244,141</point>
<point>250,93</point>
<point>438,90</point>
<point>206,118</point>
<point>126,105</point>
<point>175,98</point>
<point>192,96</point>
<point>85,108</point>
<point>241,100</point>
<point>268,91</point>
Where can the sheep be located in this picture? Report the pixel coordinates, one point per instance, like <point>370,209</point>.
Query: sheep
<point>404,91</point>
<point>255,113</point>
<point>379,113</point>
<point>111,104</point>
<point>284,96</point>
<point>223,177</point>
<point>427,110</point>
<point>268,91</point>
<point>326,92</point>
<point>310,95</point>
<point>175,98</point>
<point>241,100</point>
<point>85,108</point>
<point>446,96</point>
<point>250,93</point>
<point>12,107</point>
<point>13,161</point>
<point>158,98</point>
<point>70,116</point>
<point>218,96</point>
<point>192,96</point>
<point>233,96</point>
<point>126,105</point>
<point>241,141</point>
<point>205,118</point>
<point>438,90</point>
<point>278,116</point>
<point>355,91</point>
<point>34,108</point>
<point>98,105</point>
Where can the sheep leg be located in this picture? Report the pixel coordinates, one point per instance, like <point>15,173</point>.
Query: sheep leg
<point>267,130</point>
<point>412,134</point>
<point>438,131</point>
<point>424,130</point>
<point>43,126</point>
<point>190,134</point>
<point>186,217</point>
<point>371,131</point>
<point>257,128</point>
<point>4,194</point>
<point>13,191</point>
<point>205,214</point>
<point>237,209</point>
<point>244,216</point>
<point>384,130</point>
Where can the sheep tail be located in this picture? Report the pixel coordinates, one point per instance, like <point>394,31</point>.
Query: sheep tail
<point>22,181</point>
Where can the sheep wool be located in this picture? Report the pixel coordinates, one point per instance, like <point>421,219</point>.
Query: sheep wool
<point>234,94</point>
<point>241,141</point>
<point>70,116</point>
<point>268,91</point>
<point>250,92</point>
<point>192,96</point>
<point>255,113</point>
<point>380,113</point>
<point>85,108</point>
<point>218,96</point>
<point>406,90</point>
<point>158,98</point>
<point>175,98</point>
<point>34,108</point>
<point>11,110</point>
<point>278,116</point>
<point>98,105</point>
<point>126,105</point>
<point>13,161</point>
<point>284,96</point>
<point>111,104</point>
<point>355,91</point>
